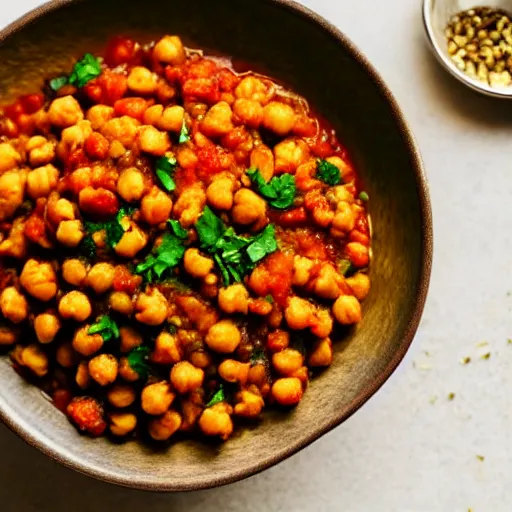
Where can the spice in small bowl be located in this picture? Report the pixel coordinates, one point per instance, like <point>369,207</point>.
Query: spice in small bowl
<point>480,44</point>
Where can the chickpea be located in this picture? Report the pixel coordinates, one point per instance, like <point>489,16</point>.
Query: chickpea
<point>250,404</point>
<point>250,112</point>
<point>35,360</point>
<point>186,157</point>
<point>287,391</point>
<point>39,280</point>
<point>322,353</point>
<point>328,284</point>
<point>70,233</point>
<point>344,168</point>
<point>126,372</point>
<point>59,210</point>
<point>167,349</point>
<point>279,118</point>
<point>344,218</point>
<point>117,150</point>
<point>156,207</point>
<point>74,272</point>
<point>130,185</point>
<point>172,119</point>
<point>73,137</point>
<point>288,361</point>
<point>278,340</point>
<point>358,254</point>
<point>218,120</point>
<point>299,313</point>
<point>190,204</point>
<point>215,421</point>
<point>322,324</point>
<point>161,429</point>
<point>252,88</point>
<point>13,304</point>
<point>157,398</point>
<point>360,285</point>
<point>151,308</point>
<point>85,343</point>
<point>130,338</point>
<point>8,336</point>
<point>186,378</point>
<point>103,369</point>
<point>220,193</point>
<point>224,337</point>
<point>12,190</point>
<point>101,277</point>
<point>66,356</point>
<point>291,154</point>
<point>121,424</point>
<point>121,396</point>
<point>153,114</point>
<point>98,115</point>
<point>9,157</point>
<point>46,326</point>
<point>121,302</point>
<point>234,371</point>
<point>262,158</point>
<point>41,181</point>
<point>347,310</point>
<point>196,264</point>
<point>234,299</point>
<point>122,129</point>
<point>248,208</point>
<point>133,241</point>
<point>15,245</point>
<point>302,268</point>
<point>141,80</point>
<point>65,111</point>
<point>170,50</point>
<point>153,141</point>
<point>75,305</point>
<point>82,376</point>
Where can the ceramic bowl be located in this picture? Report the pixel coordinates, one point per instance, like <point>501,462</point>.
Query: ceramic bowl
<point>296,46</point>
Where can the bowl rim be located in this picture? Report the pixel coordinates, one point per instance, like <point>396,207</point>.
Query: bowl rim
<point>447,63</point>
<point>38,439</point>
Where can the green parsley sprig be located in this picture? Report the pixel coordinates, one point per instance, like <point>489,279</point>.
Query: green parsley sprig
<point>138,360</point>
<point>218,397</point>
<point>85,70</point>
<point>165,168</point>
<point>184,133</point>
<point>328,173</point>
<point>279,191</point>
<point>236,256</point>
<point>106,327</point>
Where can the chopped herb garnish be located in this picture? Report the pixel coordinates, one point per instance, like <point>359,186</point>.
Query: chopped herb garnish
<point>88,247</point>
<point>165,168</point>
<point>163,260</point>
<point>258,356</point>
<point>217,398</point>
<point>364,196</point>
<point>106,327</point>
<point>178,230</point>
<point>235,255</point>
<point>138,361</point>
<point>346,268</point>
<point>269,299</point>
<point>172,329</point>
<point>184,133</point>
<point>85,70</point>
<point>465,360</point>
<point>279,191</point>
<point>486,356</point>
<point>58,82</point>
<point>328,173</point>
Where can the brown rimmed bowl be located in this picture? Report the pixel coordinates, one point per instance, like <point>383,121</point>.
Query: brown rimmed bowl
<point>296,46</point>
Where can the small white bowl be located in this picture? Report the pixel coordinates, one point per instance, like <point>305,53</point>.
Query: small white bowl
<point>436,15</point>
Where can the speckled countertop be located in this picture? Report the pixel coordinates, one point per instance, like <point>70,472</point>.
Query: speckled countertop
<point>410,449</point>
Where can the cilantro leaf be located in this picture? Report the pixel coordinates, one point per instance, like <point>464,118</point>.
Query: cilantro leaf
<point>328,172</point>
<point>138,360</point>
<point>106,327</point>
<point>217,398</point>
<point>113,228</point>
<point>184,133</point>
<point>85,70</point>
<point>265,243</point>
<point>166,256</point>
<point>209,228</point>
<point>280,191</point>
<point>165,168</point>
<point>364,196</point>
<point>177,229</point>
<point>58,82</point>
<point>88,247</point>
<point>346,269</point>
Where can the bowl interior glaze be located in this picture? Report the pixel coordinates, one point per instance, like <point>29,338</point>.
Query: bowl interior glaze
<point>294,45</point>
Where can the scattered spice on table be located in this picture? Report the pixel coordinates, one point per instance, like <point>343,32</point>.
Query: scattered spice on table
<point>451,397</point>
<point>465,360</point>
<point>486,356</point>
<point>480,44</point>
<point>481,458</point>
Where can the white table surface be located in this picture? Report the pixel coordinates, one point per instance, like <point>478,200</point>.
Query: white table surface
<point>404,451</point>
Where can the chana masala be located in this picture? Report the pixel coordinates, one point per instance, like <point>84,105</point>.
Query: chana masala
<point>180,244</point>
